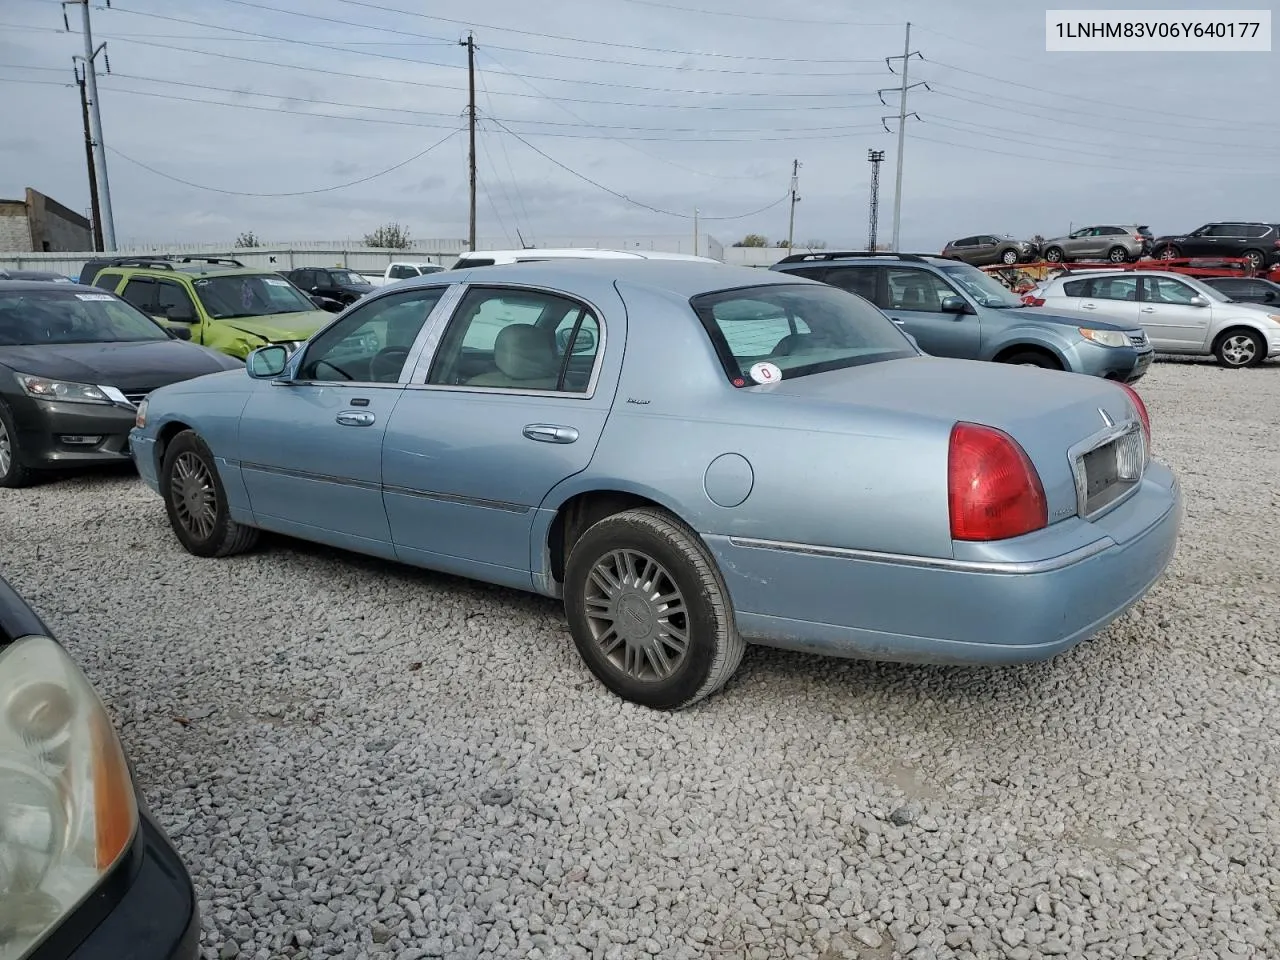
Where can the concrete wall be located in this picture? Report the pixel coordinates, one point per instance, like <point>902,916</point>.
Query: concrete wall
<point>15,232</point>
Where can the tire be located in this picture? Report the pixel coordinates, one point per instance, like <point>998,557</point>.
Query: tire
<point>12,473</point>
<point>1168,253</point>
<point>1240,347</point>
<point>1009,257</point>
<point>637,540</point>
<point>1033,358</point>
<point>1055,255</point>
<point>1118,255</point>
<point>189,462</point>
<point>1257,259</point>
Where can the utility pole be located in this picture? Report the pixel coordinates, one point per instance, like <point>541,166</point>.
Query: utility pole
<point>876,157</point>
<point>695,231</point>
<point>795,198</point>
<point>88,156</point>
<point>907,54</point>
<point>470,44</point>
<point>95,119</point>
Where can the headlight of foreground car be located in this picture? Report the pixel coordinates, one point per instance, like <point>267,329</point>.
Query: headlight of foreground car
<point>1106,338</point>
<point>67,806</point>
<point>42,388</point>
<point>140,418</point>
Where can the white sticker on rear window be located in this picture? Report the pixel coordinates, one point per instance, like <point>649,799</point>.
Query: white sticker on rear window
<point>765,372</point>
<point>94,296</point>
<point>277,283</point>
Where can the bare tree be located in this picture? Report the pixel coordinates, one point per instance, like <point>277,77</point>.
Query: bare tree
<point>390,236</point>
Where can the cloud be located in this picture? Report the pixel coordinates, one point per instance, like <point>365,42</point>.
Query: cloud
<point>1009,138</point>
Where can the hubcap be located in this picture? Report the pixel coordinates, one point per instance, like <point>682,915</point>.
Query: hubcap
<point>637,615</point>
<point>1239,350</point>
<point>6,451</point>
<point>191,489</point>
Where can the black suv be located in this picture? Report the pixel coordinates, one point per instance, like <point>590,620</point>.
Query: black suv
<point>337,283</point>
<point>1257,242</point>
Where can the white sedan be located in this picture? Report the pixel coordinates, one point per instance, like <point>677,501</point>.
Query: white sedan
<point>1180,314</point>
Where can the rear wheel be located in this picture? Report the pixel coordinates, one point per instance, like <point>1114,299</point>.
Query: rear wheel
<point>1033,358</point>
<point>1118,255</point>
<point>12,473</point>
<point>1054,255</point>
<point>1240,348</point>
<point>649,612</point>
<point>197,502</point>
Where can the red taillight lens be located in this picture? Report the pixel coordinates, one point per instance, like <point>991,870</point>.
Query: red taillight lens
<point>1142,411</point>
<point>1031,301</point>
<point>993,490</point>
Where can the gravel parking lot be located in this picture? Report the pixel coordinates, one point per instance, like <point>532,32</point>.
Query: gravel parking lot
<point>360,759</point>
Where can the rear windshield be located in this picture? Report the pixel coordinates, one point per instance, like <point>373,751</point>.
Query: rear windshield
<point>800,329</point>
<point>35,317</point>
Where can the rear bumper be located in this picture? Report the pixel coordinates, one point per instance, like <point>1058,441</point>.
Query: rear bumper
<point>52,435</point>
<point>1039,599</point>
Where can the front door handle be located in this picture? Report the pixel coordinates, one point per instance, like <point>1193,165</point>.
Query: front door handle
<point>355,418</point>
<point>550,433</point>
<point>1148,309</point>
<point>898,320</point>
<point>1088,306</point>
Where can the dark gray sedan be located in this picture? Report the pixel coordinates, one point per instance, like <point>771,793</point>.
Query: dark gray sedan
<point>74,362</point>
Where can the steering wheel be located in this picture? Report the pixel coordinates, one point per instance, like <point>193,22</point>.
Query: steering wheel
<point>388,361</point>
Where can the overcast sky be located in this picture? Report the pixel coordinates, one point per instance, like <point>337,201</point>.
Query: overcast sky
<point>675,108</point>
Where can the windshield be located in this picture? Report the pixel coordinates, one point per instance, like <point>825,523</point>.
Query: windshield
<point>800,329</point>
<point>64,316</point>
<point>985,289</point>
<point>250,295</point>
<point>349,278</point>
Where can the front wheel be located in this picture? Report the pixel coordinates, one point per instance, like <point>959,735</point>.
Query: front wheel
<point>1168,253</point>
<point>648,611</point>
<point>1033,358</point>
<point>12,473</point>
<point>1009,256</point>
<point>196,501</point>
<point>1240,348</point>
<point>1255,258</point>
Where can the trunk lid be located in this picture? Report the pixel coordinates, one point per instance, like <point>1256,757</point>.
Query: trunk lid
<point>1053,415</point>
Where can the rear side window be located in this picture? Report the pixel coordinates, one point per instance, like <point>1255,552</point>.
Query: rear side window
<point>1078,288</point>
<point>107,281</point>
<point>859,280</point>
<point>800,330</point>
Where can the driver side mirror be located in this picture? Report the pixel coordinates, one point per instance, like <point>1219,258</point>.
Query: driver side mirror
<point>585,342</point>
<point>178,333</point>
<point>954,305</point>
<point>267,363</point>
<point>180,314</point>
<point>1199,301</point>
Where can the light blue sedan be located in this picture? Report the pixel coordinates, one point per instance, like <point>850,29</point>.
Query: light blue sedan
<point>694,457</point>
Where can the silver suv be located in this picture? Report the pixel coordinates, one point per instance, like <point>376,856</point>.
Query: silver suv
<point>1118,244</point>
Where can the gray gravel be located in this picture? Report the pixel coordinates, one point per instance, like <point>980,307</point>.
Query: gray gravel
<point>358,759</point>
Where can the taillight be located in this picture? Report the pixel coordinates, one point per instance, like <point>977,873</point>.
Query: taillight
<point>1142,411</point>
<point>993,490</point>
<point>1031,301</point>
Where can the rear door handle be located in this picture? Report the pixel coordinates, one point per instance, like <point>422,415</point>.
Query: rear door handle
<point>1148,309</point>
<point>1088,306</point>
<point>898,320</point>
<point>550,433</point>
<point>355,418</point>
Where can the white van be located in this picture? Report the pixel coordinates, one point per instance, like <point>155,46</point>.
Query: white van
<point>489,258</point>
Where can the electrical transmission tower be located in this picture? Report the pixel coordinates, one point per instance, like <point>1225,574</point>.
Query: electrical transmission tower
<point>907,54</point>
<point>876,157</point>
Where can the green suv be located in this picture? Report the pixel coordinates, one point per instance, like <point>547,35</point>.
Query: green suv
<point>232,309</point>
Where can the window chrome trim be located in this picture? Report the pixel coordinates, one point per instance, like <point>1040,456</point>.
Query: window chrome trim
<point>935,563</point>
<point>431,345</point>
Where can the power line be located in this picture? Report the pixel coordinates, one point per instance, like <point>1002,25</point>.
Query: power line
<point>599,43</point>
<point>295,193</point>
<point>325,71</point>
<point>639,203</point>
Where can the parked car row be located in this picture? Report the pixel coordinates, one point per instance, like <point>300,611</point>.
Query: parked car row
<point>1257,242</point>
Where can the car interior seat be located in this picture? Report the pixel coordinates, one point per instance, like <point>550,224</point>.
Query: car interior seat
<point>525,357</point>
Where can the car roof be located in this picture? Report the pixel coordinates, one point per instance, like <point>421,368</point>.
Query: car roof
<point>190,270</point>
<point>854,257</point>
<point>24,286</point>
<point>682,278</point>
<point>585,253</point>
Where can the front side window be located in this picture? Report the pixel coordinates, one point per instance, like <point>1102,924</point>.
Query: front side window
<point>173,301</point>
<point>370,344</point>
<point>52,317</point>
<point>1168,290</point>
<point>916,290</point>
<point>141,292</point>
<point>250,295</point>
<point>801,329</point>
<point>985,290</point>
<point>518,340</point>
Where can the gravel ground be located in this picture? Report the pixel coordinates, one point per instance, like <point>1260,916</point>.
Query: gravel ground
<point>358,759</point>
